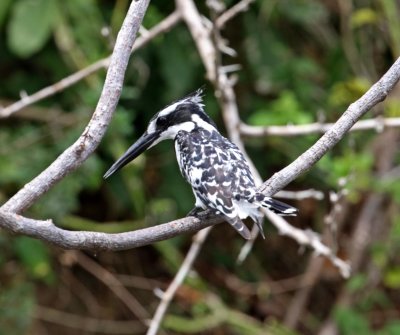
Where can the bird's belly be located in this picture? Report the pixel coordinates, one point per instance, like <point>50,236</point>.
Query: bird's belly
<point>245,209</point>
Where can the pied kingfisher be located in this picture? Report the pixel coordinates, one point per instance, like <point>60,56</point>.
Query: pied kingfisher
<point>215,168</point>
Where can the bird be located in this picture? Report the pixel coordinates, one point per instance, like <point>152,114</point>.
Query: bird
<point>214,167</point>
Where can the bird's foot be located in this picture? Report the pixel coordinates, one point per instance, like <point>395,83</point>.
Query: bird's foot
<point>194,212</point>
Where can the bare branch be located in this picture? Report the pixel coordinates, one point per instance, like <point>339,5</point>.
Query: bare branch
<point>87,324</point>
<point>74,78</point>
<point>377,124</point>
<point>232,12</point>
<point>76,154</point>
<point>201,36</point>
<point>300,195</point>
<point>87,240</point>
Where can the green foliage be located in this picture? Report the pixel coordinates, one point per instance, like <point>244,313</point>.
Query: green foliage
<point>344,93</point>
<point>302,12</point>
<point>357,282</point>
<point>180,61</point>
<point>63,198</point>
<point>351,322</point>
<point>285,109</point>
<point>35,257</point>
<point>31,25</point>
<point>80,24</point>
<point>16,309</point>
<point>392,328</point>
<point>4,7</point>
<point>353,167</point>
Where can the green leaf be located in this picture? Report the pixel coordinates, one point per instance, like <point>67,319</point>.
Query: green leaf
<point>30,26</point>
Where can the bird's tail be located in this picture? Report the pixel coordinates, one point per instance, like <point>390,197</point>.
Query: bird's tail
<point>278,207</point>
<point>239,226</point>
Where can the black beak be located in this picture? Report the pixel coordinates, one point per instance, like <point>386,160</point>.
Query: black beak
<point>135,150</point>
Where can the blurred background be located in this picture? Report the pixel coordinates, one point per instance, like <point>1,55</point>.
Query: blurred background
<point>301,62</point>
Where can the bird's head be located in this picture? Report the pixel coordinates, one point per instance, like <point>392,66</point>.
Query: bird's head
<point>184,114</point>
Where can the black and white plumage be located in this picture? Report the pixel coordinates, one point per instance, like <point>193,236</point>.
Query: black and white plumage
<point>215,168</point>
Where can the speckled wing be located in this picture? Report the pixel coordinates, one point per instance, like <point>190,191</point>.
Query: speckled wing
<point>216,169</point>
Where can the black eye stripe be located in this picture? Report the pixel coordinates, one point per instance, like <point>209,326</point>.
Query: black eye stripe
<point>161,121</point>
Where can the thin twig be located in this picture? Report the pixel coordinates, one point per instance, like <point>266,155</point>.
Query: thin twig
<point>378,124</point>
<point>184,269</point>
<point>229,14</point>
<point>300,195</point>
<point>87,324</point>
<point>74,78</point>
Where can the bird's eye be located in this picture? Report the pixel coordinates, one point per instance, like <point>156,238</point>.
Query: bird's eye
<point>161,121</point>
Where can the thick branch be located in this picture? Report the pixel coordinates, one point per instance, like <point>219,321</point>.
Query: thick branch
<point>232,12</point>
<point>77,153</point>
<point>47,231</point>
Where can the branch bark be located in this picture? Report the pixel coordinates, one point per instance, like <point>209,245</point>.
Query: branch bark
<point>87,240</point>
